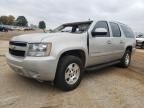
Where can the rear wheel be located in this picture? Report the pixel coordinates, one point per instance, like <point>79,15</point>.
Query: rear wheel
<point>125,61</point>
<point>69,73</point>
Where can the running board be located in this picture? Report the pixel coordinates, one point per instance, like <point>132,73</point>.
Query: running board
<point>96,67</point>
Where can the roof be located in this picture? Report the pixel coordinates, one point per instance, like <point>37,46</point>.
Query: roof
<point>77,23</point>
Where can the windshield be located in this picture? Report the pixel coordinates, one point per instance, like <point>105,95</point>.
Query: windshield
<point>78,27</point>
<point>140,36</point>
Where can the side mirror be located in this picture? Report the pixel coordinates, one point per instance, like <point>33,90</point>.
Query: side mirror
<point>99,31</point>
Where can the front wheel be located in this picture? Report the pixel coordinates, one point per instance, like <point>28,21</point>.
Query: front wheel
<point>125,61</point>
<point>69,73</point>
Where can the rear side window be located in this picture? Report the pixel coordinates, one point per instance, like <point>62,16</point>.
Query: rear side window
<point>102,24</point>
<point>115,29</point>
<point>127,31</point>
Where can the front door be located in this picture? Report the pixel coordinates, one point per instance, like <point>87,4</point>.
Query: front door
<point>100,46</point>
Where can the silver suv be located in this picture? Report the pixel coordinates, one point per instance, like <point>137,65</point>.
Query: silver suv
<point>63,54</point>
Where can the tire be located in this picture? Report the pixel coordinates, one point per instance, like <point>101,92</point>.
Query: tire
<point>69,73</point>
<point>125,61</point>
<point>142,46</point>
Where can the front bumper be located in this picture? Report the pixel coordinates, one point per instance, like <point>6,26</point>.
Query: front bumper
<point>138,43</point>
<point>40,68</point>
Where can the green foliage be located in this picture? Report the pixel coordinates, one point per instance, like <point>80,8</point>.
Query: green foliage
<point>42,25</point>
<point>7,20</point>
<point>21,21</point>
<point>11,20</point>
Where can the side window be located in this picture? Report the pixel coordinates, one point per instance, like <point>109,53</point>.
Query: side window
<point>115,29</point>
<point>127,31</point>
<point>102,24</point>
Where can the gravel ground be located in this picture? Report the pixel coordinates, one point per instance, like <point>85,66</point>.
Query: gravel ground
<point>112,87</point>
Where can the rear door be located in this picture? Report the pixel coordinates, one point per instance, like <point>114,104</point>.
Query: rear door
<point>118,41</point>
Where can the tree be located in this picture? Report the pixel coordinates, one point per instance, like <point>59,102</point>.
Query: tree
<point>8,20</point>
<point>42,25</point>
<point>4,19</point>
<point>11,20</point>
<point>21,21</point>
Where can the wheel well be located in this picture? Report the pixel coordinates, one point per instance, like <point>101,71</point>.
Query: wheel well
<point>129,48</point>
<point>77,53</point>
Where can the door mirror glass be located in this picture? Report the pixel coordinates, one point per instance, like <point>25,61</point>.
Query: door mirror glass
<point>99,31</point>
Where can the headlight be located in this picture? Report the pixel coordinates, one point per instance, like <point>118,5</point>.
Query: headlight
<point>39,49</point>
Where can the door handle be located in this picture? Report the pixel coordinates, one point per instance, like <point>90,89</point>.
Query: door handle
<point>121,42</point>
<point>108,42</point>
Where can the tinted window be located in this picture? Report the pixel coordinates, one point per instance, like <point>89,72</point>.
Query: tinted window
<point>127,31</point>
<point>115,29</point>
<point>102,24</point>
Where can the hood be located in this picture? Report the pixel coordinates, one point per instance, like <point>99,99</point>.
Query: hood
<point>38,37</point>
<point>140,39</point>
<point>35,37</point>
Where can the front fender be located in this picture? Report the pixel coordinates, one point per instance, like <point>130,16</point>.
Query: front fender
<point>62,51</point>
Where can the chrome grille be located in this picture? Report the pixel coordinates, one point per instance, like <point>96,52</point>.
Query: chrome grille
<point>17,48</point>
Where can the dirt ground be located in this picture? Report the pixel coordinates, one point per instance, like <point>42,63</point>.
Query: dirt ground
<point>112,87</point>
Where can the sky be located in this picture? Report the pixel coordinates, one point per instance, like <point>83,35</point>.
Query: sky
<point>56,12</point>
